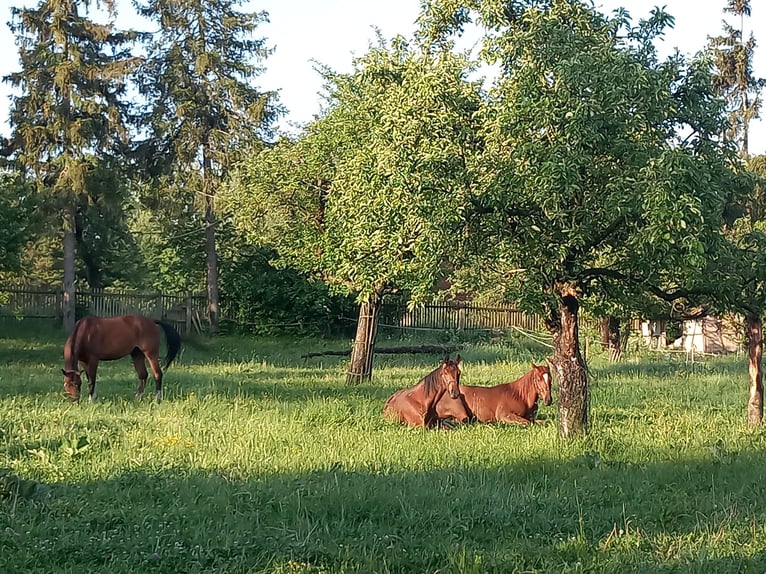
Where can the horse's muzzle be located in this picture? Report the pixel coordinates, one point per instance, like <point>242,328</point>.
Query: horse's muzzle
<point>547,401</point>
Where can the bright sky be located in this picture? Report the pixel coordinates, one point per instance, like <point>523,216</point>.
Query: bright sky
<point>333,31</point>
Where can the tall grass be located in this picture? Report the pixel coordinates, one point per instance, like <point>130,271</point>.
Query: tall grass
<point>258,461</point>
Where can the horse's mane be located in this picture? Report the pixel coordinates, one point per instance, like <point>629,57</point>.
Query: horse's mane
<point>524,380</point>
<point>72,343</point>
<point>431,381</point>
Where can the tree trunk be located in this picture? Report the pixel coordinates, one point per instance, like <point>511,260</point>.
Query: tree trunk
<point>754,330</point>
<point>569,365</point>
<point>211,255</point>
<point>69,297</point>
<point>360,366</point>
<point>610,336</point>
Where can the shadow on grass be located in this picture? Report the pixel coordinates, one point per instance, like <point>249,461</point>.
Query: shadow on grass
<point>543,516</point>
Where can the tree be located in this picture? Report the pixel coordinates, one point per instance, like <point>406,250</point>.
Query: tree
<point>69,111</point>
<point>16,204</point>
<point>734,81</point>
<point>202,106</point>
<point>602,171</point>
<point>369,198</point>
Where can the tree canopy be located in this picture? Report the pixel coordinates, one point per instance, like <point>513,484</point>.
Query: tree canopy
<point>371,196</point>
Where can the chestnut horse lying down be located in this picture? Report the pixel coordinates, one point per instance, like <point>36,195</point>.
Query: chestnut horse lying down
<point>514,402</point>
<point>415,406</point>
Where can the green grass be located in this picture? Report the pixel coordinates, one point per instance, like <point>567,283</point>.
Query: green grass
<point>259,461</point>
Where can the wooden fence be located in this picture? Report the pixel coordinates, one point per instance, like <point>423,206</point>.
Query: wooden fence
<point>188,312</point>
<point>464,316</point>
<point>184,312</point>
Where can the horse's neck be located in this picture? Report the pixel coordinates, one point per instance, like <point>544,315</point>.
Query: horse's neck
<point>432,390</point>
<point>524,388</point>
<point>71,349</point>
<point>70,357</point>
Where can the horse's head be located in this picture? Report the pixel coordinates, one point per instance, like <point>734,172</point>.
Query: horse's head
<point>72,384</point>
<point>542,378</point>
<point>449,376</point>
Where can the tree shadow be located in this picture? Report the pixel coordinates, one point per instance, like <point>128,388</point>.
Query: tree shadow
<point>584,514</point>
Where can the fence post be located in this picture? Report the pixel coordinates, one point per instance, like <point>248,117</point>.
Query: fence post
<point>188,311</point>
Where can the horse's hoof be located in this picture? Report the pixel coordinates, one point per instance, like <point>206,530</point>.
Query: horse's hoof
<point>158,397</point>
<point>92,398</point>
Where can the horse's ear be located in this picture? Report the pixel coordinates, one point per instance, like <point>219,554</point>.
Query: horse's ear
<point>446,358</point>
<point>550,363</point>
<point>457,363</point>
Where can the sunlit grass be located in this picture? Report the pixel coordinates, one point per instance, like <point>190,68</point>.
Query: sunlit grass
<point>260,461</point>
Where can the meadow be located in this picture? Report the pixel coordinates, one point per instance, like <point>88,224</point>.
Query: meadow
<point>258,461</point>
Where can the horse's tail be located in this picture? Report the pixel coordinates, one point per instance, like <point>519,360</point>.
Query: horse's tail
<point>173,339</point>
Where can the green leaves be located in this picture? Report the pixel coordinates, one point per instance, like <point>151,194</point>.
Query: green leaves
<point>371,195</point>
<point>589,174</point>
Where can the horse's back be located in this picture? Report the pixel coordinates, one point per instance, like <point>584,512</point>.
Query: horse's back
<point>488,403</point>
<point>110,338</point>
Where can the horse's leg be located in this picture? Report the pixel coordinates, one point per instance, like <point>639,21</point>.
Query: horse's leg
<point>154,363</point>
<point>140,366</point>
<point>405,411</point>
<point>90,371</point>
<point>509,417</point>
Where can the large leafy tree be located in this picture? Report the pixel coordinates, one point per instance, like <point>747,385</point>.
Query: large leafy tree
<point>370,197</point>
<point>68,112</point>
<point>201,104</point>
<point>602,172</point>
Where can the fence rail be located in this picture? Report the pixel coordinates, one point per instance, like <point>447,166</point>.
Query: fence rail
<point>184,312</point>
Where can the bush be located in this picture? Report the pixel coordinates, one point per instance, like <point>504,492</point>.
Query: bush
<point>259,298</point>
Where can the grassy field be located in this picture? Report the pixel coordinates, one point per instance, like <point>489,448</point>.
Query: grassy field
<point>260,462</point>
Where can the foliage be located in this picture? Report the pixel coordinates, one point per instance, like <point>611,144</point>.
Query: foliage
<point>170,238</point>
<point>17,205</point>
<point>108,251</point>
<point>370,196</point>
<point>262,299</point>
<point>261,462</point>
<point>602,170</point>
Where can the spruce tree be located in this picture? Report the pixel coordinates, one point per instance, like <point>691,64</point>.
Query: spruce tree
<point>68,111</point>
<point>201,104</point>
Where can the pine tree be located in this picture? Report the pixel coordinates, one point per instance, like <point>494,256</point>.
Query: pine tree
<point>201,104</point>
<point>69,110</point>
<point>734,79</point>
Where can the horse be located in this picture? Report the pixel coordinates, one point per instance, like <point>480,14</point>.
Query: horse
<point>414,406</point>
<point>514,402</point>
<point>97,339</point>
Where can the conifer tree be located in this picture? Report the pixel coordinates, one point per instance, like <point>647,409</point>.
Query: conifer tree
<point>68,111</point>
<point>201,104</point>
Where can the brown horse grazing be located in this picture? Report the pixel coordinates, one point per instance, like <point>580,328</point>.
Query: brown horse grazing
<point>415,406</point>
<point>97,339</point>
<point>514,402</point>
